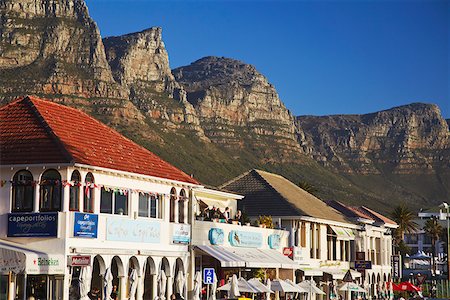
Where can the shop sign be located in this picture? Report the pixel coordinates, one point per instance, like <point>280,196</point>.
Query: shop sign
<point>79,260</point>
<point>123,230</point>
<point>46,265</point>
<point>363,264</point>
<point>329,263</point>
<point>216,236</point>
<point>297,252</point>
<point>288,251</point>
<point>33,225</point>
<point>396,266</point>
<point>85,225</point>
<point>245,239</point>
<point>274,241</point>
<point>181,234</point>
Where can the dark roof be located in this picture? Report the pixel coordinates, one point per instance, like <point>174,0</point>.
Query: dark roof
<point>271,194</point>
<point>34,131</point>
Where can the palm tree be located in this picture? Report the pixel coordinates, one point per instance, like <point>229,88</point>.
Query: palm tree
<point>308,187</point>
<point>405,221</point>
<point>434,229</point>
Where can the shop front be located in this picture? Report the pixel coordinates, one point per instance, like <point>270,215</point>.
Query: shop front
<point>245,251</point>
<point>25,272</point>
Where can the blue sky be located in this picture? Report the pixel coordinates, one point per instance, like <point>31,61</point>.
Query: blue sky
<point>323,57</point>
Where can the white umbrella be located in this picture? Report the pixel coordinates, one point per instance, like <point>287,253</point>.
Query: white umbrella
<point>269,286</point>
<point>134,283</point>
<point>299,289</point>
<point>179,283</point>
<point>197,286</point>
<point>310,286</point>
<point>213,289</point>
<point>85,282</point>
<point>234,288</point>
<point>280,285</point>
<point>107,285</point>
<point>247,287</point>
<point>259,285</point>
<point>162,280</point>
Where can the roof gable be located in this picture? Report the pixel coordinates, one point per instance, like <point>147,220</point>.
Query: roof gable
<point>271,194</point>
<point>78,138</point>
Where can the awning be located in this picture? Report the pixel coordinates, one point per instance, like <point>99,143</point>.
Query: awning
<point>340,273</point>
<point>18,258</point>
<point>343,233</point>
<point>226,258</point>
<point>248,257</point>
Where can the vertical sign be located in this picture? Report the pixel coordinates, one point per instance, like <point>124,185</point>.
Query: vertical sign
<point>396,265</point>
<point>208,275</point>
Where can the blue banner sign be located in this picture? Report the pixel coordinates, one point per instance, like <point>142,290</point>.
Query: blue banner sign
<point>274,241</point>
<point>33,225</point>
<point>85,225</point>
<point>363,264</point>
<point>208,275</point>
<point>246,239</point>
<point>216,236</point>
<point>118,229</point>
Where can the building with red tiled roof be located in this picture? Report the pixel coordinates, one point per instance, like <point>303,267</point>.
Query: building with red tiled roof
<point>77,195</point>
<point>34,131</point>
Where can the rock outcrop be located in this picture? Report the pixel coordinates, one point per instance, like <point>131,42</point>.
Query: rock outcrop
<point>238,107</point>
<point>406,140</point>
<point>140,62</point>
<point>52,48</point>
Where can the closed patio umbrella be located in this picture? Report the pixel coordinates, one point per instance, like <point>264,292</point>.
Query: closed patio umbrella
<point>269,286</point>
<point>234,287</point>
<point>197,286</point>
<point>133,284</point>
<point>162,280</point>
<point>180,281</point>
<point>107,284</point>
<point>85,282</point>
<point>213,289</point>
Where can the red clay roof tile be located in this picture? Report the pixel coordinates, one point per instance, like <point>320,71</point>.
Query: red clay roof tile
<point>33,130</point>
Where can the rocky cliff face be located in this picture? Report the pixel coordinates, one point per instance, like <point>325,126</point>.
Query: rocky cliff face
<point>237,106</point>
<point>140,62</point>
<point>52,47</point>
<point>407,139</point>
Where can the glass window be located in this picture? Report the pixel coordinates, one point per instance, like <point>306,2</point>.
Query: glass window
<point>22,192</point>
<point>74,194</point>
<point>173,199</point>
<point>143,205</point>
<point>120,204</point>
<point>153,207</point>
<point>50,191</point>
<point>89,193</point>
<point>181,203</point>
<point>106,201</point>
<point>149,206</point>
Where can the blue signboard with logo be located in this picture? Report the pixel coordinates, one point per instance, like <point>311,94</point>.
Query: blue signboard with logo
<point>274,241</point>
<point>33,224</point>
<point>246,239</point>
<point>208,275</point>
<point>85,225</point>
<point>216,236</point>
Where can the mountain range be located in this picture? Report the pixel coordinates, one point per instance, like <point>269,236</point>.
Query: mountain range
<point>219,117</point>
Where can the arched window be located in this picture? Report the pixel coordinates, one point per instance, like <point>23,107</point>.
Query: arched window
<point>22,192</point>
<point>88,203</point>
<point>74,201</point>
<point>181,203</point>
<point>50,191</point>
<point>173,199</point>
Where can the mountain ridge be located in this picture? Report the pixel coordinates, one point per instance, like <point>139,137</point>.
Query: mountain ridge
<point>219,117</point>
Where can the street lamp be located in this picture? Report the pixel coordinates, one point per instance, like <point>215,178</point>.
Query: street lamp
<point>447,208</point>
